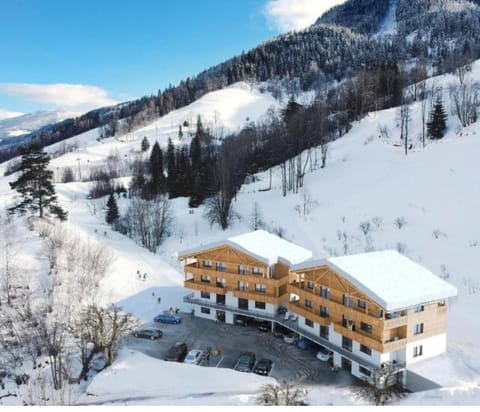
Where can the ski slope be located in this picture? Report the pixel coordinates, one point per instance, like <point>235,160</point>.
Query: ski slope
<point>368,178</point>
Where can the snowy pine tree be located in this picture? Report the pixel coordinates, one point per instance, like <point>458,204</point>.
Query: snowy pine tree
<point>35,185</point>
<point>145,144</point>
<point>112,210</point>
<point>438,123</point>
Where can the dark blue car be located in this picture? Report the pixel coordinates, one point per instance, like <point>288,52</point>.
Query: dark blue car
<point>306,344</point>
<point>175,319</point>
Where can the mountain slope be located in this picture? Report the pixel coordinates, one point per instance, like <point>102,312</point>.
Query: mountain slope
<point>367,179</point>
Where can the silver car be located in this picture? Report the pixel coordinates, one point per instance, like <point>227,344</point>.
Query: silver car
<point>194,357</point>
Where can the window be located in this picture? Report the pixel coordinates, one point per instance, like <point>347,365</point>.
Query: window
<point>324,292</point>
<point>310,285</point>
<point>205,295</point>
<point>308,322</point>
<point>348,323</point>
<point>308,303</point>
<point>418,351</point>
<point>257,271</point>
<point>242,303</point>
<point>418,329</point>
<point>242,270</point>
<point>324,332</point>
<point>365,371</point>
<point>207,263</point>
<point>260,287</point>
<point>221,283</point>
<point>419,308</point>
<point>366,327</point>
<point>260,305</point>
<point>365,349</point>
<point>205,310</point>
<point>205,278</point>
<point>242,286</point>
<point>347,301</point>
<point>324,312</point>
<point>362,304</point>
<point>221,267</point>
<point>346,343</point>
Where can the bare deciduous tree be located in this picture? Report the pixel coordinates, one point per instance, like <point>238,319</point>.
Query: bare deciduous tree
<point>284,395</point>
<point>381,388</point>
<point>256,218</point>
<point>103,327</point>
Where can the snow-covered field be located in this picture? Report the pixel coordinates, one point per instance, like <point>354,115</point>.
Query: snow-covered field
<point>368,178</point>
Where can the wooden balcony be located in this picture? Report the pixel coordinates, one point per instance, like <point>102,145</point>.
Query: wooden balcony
<point>308,313</point>
<point>336,308</point>
<point>395,322</point>
<point>368,340</point>
<point>394,345</point>
<point>355,335</point>
<point>207,287</point>
<point>233,277</point>
<point>259,296</point>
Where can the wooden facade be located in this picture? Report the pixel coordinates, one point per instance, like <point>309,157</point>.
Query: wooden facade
<point>326,298</point>
<point>224,269</point>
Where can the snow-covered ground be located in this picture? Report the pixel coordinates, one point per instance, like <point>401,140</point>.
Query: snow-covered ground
<point>16,124</point>
<point>434,190</point>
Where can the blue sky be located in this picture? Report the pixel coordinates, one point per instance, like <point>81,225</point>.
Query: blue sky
<point>80,54</point>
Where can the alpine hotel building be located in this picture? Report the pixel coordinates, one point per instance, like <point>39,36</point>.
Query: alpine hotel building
<point>375,311</point>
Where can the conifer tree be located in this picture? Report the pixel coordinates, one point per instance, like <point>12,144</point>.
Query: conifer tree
<point>35,185</point>
<point>112,210</point>
<point>145,144</point>
<point>172,175</point>
<point>157,182</point>
<point>438,123</point>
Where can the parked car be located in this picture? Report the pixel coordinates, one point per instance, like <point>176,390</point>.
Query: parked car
<point>263,367</point>
<point>307,344</point>
<point>148,333</point>
<point>290,338</point>
<point>241,320</point>
<point>245,362</point>
<point>324,354</point>
<point>194,356</point>
<point>166,318</point>
<point>264,326</point>
<point>177,352</point>
<point>280,331</point>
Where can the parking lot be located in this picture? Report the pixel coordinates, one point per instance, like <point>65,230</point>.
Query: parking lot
<point>290,363</point>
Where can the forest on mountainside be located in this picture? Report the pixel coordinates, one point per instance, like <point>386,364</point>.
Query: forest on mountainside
<point>442,34</point>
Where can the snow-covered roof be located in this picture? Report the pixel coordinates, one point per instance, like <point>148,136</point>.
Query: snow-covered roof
<point>262,246</point>
<point>387,277</point>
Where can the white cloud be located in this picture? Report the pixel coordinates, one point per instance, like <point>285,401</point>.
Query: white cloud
<point>5,114</point>
<point>77,96</point>
<point>289,15</point>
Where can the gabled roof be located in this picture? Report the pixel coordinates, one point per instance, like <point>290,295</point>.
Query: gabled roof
<point>387,277</point>
<point>261,245</point>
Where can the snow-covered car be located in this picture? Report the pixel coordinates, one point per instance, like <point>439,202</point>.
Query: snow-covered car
<point>163,318</point>
<point>194,356</point>
<point>148,333</point>
<point>324,354</point>
<point>290,338</point>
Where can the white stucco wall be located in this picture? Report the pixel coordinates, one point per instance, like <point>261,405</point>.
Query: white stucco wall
<point>315,330</point>
<point>432,346</point>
